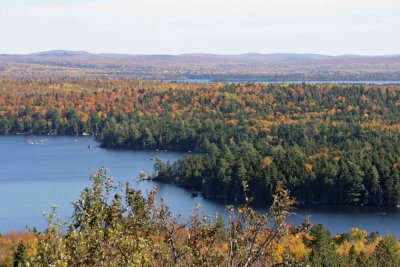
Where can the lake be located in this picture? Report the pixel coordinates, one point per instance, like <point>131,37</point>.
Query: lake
<point>284,82</point>
<point>37,172</point>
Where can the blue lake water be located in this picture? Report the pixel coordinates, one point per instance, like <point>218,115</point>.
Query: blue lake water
<point>37,172</point>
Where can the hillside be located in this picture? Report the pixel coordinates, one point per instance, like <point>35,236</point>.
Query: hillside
<point>328,143</point>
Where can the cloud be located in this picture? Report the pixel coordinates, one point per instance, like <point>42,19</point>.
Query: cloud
<point>209,7</point>
<point>212,12</point>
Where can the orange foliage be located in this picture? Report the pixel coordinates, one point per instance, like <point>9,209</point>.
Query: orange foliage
<point>308,167</point>
<point>10,241</point>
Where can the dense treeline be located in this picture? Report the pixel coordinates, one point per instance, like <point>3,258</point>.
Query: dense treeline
<point>329,144</point>
<point>120,226</point>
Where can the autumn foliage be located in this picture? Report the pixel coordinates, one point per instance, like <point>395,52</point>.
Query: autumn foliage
<point>328,143</point>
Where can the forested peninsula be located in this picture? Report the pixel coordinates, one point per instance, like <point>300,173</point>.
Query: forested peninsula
<point>328,143</point>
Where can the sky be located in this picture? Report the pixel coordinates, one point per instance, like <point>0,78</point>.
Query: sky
<point>333,27</point>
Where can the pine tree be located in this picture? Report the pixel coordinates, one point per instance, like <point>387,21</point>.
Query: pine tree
<point>20,256</point>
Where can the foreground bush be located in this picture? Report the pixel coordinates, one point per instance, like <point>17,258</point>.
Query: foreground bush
<point>120,226</point>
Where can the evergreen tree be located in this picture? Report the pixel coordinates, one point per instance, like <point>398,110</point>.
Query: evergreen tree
<point>387,252</point>
<point>372,182</point>
<point>20,256</point>
<point>323,251</point>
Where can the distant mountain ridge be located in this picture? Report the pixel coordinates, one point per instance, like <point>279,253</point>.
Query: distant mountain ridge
<point>215,67</point>
<point>248,57</point>
<point>245,56</point>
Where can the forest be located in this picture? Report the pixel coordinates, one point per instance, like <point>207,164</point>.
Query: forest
<point>328,143</point>
<point>276,67</point>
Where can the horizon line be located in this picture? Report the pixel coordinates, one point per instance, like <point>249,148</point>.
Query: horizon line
<point>200,53</point>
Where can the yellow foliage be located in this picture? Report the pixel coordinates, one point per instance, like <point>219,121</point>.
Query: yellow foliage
<point>232,122</point>
<point>296,245</point>
<point>266,161</point>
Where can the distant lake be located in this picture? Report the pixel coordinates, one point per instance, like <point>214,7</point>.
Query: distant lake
<point>342,82</point>
<point>191,81</point>
<point>283,82</point>
<point>39,171</point>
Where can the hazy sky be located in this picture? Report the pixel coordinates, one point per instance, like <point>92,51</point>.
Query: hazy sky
<point>210,26</point>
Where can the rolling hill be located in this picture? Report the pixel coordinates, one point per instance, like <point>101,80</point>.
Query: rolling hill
<point>213,67</point>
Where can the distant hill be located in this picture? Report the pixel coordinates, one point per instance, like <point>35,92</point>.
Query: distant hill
<point>244,67</point>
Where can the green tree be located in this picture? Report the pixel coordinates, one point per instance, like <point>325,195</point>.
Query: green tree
<point>20,256</point>
<point>323,248</point>
<point>372,182</point>
<point>387,252</point>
